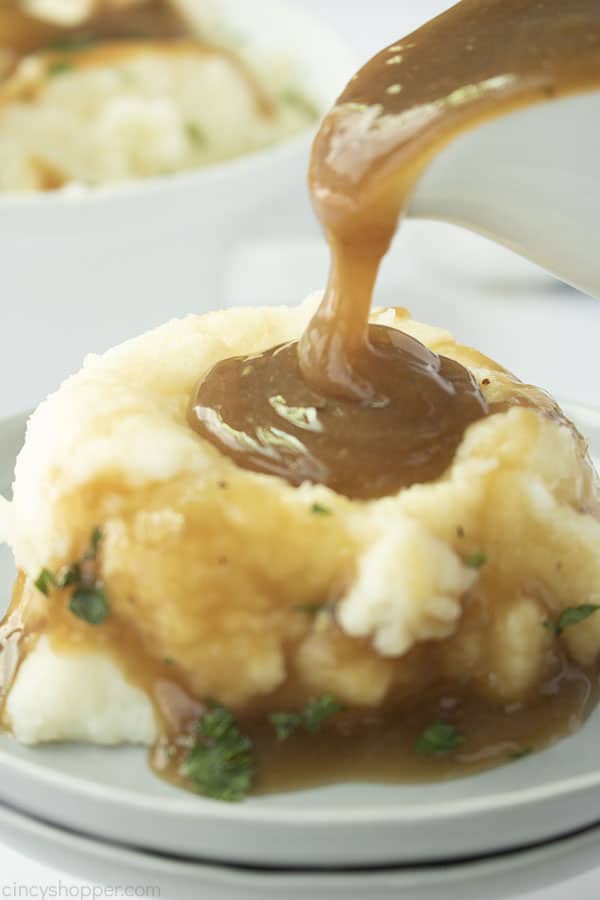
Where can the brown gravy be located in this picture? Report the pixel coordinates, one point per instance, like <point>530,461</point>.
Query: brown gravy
<point>356,745</point>
<point>272,420</point>
<point>380,746</point>
<point>375,398</point>
<point>142,21</point>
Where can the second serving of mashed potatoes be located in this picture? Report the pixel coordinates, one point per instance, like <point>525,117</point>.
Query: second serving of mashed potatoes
<point>93,109</point>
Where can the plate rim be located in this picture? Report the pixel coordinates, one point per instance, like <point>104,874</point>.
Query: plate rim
<point>241,872</point>
<point>340,816</point>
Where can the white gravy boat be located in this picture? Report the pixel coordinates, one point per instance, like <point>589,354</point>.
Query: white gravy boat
<point>529,179</point>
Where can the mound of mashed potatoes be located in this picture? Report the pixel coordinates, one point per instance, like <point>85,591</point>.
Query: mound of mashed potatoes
<point>102,112</point>
<point>256,592</point>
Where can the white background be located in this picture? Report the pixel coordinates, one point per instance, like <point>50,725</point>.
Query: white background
<point>545,333</point>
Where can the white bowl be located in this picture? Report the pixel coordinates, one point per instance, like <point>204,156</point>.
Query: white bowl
<point>112,795</point>
<point>84,270</point>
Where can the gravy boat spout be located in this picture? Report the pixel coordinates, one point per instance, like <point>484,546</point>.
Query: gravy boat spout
<point>529,180</point>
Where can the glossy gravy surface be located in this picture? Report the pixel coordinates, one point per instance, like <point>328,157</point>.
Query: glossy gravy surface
<point>272,420</point>
<point>360,387</point>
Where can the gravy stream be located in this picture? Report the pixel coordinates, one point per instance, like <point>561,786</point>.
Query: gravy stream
<point>367,411</point>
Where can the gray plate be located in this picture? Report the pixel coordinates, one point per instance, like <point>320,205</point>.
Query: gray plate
<point>112,794</point>
<point>163,876</point>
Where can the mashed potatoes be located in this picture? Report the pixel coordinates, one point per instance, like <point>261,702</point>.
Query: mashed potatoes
<point>253,589</point>
<point>111,112</point>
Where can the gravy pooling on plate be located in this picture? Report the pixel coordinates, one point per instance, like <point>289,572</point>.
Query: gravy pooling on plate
<point>381,745</point>
<point>369,411</point>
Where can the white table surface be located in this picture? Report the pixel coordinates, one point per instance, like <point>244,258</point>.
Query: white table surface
<point>545,333</point>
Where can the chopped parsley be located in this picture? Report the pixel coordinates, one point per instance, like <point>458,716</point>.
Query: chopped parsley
<point>312,609</point>
<point>60,67</point>
<point>95,541</point>
<point>196,135</point>
<point>127,77</point>
<point>285,724</point>
<point>320,709</point>
<point>519,754</point>
<point>319,510</point>
<point>575,614</point>
<point>476,560</point>
<point>45,582</point>
<point>90,604</point>
<point>311,718</point>
<point>69,575</point>
<point>296,99</point>
<point>221,762</point>
<point>88,600</point>
<point>73,42</point>
<point>439,738</point>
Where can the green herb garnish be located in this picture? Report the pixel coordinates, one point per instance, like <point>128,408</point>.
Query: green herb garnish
<point>312,609</point>
<point>221,762</point>
<point>519,754</point>
<point>476,560</point>
<point>128,78</point>
<point>45,582</point>
<point>196,134</point>
<point>90,605</point>
<point>69,575</point>
<point>296,99</point>
<point>73,42</point>
<point>311,718</point>
<point>319,510</point>
<point>285,724</point>
<point>320,709</point>
<point>575,614</point>
<point>88,600</point>
<point>549,625</point>
<point>439,738</point>
<point>60,67</point>
<point>95,541</point>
